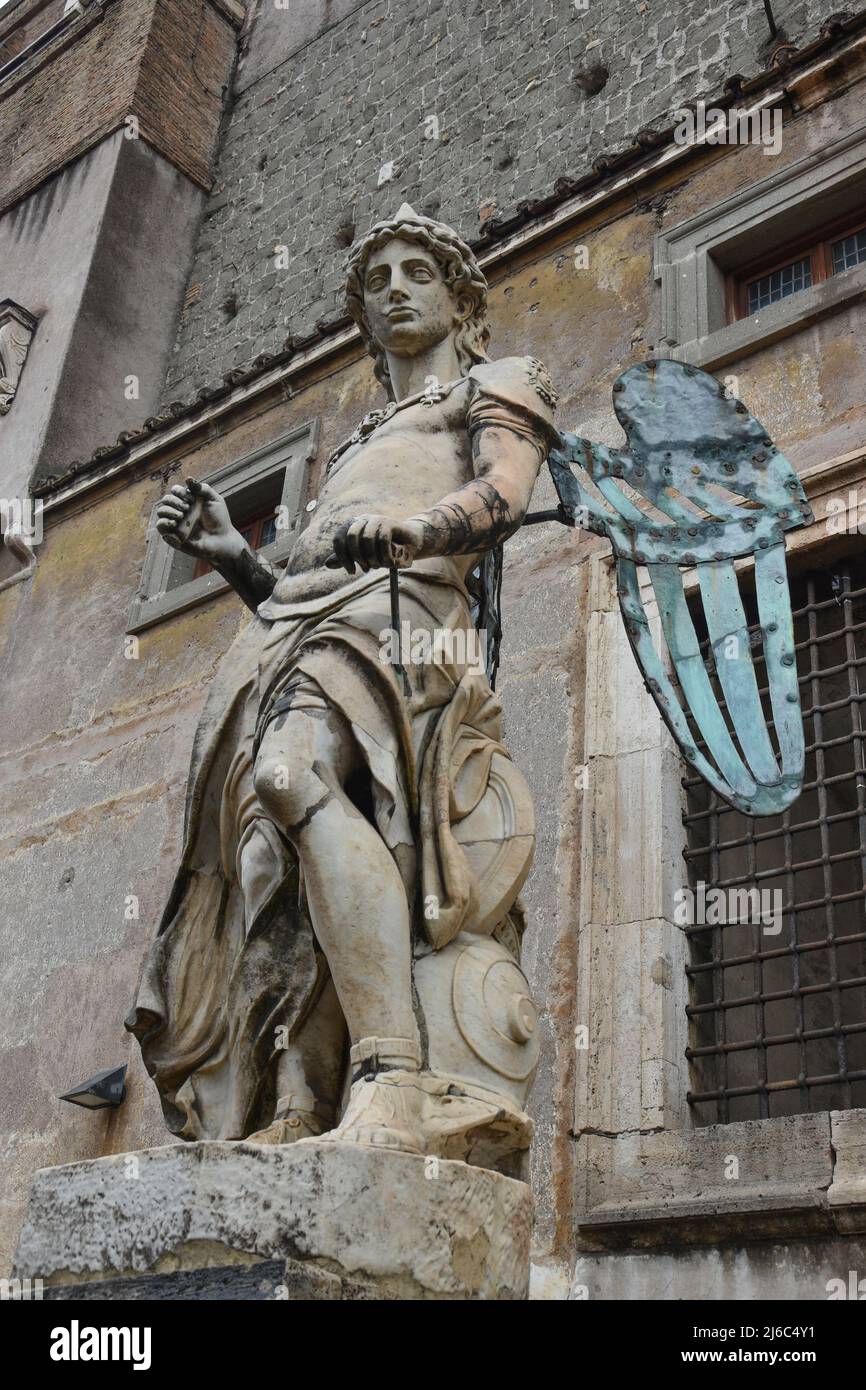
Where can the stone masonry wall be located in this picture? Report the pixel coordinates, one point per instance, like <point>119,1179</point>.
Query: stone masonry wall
<point>331,93</point>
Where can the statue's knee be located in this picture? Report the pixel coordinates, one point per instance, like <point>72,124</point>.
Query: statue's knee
<point>287,787</point>
<point>274,784</point>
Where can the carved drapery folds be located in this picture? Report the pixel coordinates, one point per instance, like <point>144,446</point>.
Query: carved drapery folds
<point>16,333</point>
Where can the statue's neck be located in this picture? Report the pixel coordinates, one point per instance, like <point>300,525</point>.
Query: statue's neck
<point>409,374</point>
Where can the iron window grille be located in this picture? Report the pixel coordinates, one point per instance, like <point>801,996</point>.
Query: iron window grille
<point>778,1020</point>
<point>769,289</point>
<point>795,267</point>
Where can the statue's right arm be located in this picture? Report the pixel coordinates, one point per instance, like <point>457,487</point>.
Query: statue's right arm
<point>192,517</point>
<point>252,577</point>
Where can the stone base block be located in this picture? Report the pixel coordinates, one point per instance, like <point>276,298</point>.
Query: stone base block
<point>303,1221</point>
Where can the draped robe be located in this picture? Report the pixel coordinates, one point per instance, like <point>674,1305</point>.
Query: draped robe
<point>223,977</point>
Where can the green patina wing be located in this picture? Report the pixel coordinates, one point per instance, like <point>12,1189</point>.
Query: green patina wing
<point>699,485</point>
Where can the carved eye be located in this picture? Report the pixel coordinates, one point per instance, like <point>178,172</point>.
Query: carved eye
<point>376,282</point>
<point>422,274</point>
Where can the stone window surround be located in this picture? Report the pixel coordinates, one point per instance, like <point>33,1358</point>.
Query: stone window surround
<point>293,451</point>
<point>693,258</point>
<point>645,1175</point>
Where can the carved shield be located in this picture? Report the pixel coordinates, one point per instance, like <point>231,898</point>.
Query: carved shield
<point>699,485</point>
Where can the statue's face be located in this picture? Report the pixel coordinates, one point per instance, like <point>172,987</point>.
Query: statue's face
<point>407,303</point>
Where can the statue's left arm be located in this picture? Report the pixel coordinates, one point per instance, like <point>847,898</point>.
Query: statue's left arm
<point>510,421</point>
<point>490,508</point>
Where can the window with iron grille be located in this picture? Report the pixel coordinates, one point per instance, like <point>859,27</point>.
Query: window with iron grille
<point>797,267</point>
<point>778,1016</point>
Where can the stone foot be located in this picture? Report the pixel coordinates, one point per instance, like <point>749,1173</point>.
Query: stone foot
<point>384,1112</point>
<point>424,1113</point>
<point>468,1122</point>
<point>293,1122</point>
<point>300,1124</point>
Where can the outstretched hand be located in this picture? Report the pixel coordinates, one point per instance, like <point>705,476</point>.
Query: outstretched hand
<point>376,542</point>
<point>195,519</point>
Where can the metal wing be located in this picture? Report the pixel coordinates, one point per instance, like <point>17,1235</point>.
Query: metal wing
<point>714,488</point>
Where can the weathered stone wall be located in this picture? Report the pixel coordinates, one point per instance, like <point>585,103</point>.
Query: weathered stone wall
<point>329,94</point>
<point>96,229</point>
<point>98,254</point>
<point>184,81</point>
<point>792,1271</point>
<point>94,747</point>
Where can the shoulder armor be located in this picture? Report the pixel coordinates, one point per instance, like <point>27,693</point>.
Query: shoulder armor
<point>523,382</point>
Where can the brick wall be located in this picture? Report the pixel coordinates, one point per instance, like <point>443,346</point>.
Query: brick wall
<point>320,111</point>
<point>165,61</point>
<point>22,21</point>
<point>184,81</point>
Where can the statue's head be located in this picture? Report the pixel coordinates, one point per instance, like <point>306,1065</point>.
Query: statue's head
<point>411,283</point>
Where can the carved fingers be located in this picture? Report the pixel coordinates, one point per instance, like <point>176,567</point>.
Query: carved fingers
<point>194,517</point>
<point>375,542</point>
<point>173,520</point>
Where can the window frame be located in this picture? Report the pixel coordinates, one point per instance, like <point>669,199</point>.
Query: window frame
<point>693,258</point>
<point>819,252</point>
<point>255,524</point>
<point>644,1171</point>
<point>762,839</point>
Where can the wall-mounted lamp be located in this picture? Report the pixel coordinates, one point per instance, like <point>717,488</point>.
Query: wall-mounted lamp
<point>106,1089</point>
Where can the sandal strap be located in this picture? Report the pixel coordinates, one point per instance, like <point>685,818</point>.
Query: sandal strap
<point>369,1056</point>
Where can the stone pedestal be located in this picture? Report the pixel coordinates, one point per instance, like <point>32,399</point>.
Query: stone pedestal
<point>218,1220</point>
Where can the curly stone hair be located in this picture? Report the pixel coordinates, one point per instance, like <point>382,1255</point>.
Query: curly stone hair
<point>460,270</point>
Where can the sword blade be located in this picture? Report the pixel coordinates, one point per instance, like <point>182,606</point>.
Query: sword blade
<point>397,646</point>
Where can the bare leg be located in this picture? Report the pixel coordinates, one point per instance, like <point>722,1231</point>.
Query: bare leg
<point>310,1071</point>
<point>354,891</point>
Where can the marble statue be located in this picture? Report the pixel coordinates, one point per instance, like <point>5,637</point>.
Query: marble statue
<point>339,957</point>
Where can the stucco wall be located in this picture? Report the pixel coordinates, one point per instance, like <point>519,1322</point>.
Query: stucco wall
<point>99,256</point>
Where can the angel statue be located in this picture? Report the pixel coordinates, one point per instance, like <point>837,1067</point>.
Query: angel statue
<point>339,957</point>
